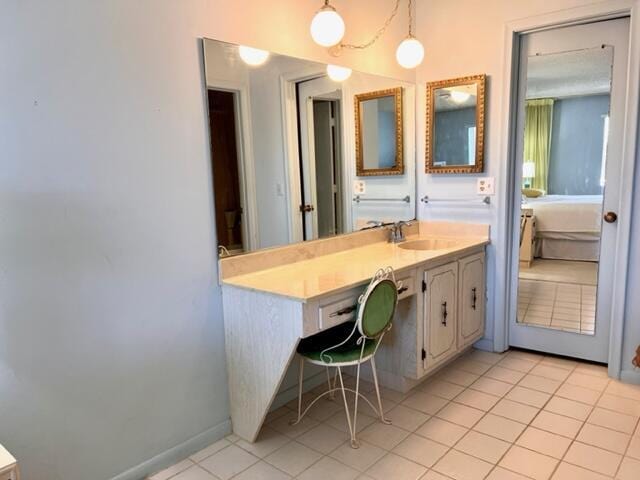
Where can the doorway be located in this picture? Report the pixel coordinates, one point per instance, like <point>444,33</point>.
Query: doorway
<point>568,159</point>
<point>226,168</point>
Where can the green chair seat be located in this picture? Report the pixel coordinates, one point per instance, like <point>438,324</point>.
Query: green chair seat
<point>312,347</point>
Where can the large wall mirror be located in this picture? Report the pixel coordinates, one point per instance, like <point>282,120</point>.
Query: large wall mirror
<point>455,125</point>
<point>379,133</point>
<point>283,149</point>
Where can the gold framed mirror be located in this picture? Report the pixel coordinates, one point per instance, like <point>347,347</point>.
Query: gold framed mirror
<point>379,144</point>
<point>455,125</point>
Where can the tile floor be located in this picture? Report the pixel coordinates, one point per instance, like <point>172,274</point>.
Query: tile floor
<point>512,416</point>
<point>563,306</point>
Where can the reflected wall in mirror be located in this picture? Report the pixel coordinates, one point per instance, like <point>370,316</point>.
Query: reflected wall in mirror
<point>455,125</point>
<point>283,151</point>
<point>379,140</point>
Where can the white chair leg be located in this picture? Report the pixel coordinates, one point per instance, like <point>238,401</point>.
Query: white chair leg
<point>354,442</point>
<point>300,380</point>
<point>331,387</point>
<point>383,419</point>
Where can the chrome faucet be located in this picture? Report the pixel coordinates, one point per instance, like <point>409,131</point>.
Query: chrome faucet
<point>396,235</point>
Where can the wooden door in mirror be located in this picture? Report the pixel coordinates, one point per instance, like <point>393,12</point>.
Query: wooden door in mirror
<point>455,125</point>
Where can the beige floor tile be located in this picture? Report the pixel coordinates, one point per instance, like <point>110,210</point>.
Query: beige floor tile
<point>323,438</point>
<point>491,386</point>
<point>441,389</point>
<point>486,357</point>
<point>500,427</point>
<point>407,418</point>
<point>468,365</point>
<point>483,446</point>
<point>383,436</point>
<point>519,364</point>
<point>476,399</point>
<point>396,467</point>
<point>461,466</point>
<point>527,396</point>
<point>328,468</point>
<point>195,473</point>
<point>568,408</point>
<point>554,423</point>
<point>593,458</point>
<point>505,374</point>
<point>579,394</point>
<point>173,470</point>
<point>515,411</point>
<point>541,384</point>
<point>588,381</point>
<point>324,408</point>
<point>604,438</point>
<point>282,425</point>
<point>500,473</point>
<point>421,450</point>
<point>524,355</point>
<point>613,420</point>
<point>232,437</point>
<point>529,463</point>
<point>566,471</point>
<point>544,442</point>
<point>339,420</point>
<point>277,413</point>
<point>211,449</point>
<point>268,442</point>
<point>624,390</point>
<point>425,402</point>
<point>458,377</point>
<point>590,369</point>
<point>263,471</point>
<point>629,469</point>
<point>460,414</point>
<point>391,395</point>
<point>359,458</point>
<point>634,447</point>
<point>550,372</point>
<point>620,404</point>
<point>442,431</point>
<point>228,462</point>
<point>433,475</point>
<point>294,458</point>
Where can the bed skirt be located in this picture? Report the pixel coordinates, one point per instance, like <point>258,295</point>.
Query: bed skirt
<point>565,249</point>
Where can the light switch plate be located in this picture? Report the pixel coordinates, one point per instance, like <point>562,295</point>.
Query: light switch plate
<point>486,186</point>
<point>359,187</point>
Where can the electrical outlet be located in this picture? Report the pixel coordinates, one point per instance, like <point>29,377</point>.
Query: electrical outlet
<point>486,186</point>
<point>359,187</point>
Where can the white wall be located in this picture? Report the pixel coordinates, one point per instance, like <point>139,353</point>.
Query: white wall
<point>111,345</point>
<point>467,37</point>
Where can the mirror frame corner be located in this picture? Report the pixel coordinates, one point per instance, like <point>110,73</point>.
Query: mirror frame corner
<point>398,169</point>
<point>480,82</point>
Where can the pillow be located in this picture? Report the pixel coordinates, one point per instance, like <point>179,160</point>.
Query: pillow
<point>532,192</point>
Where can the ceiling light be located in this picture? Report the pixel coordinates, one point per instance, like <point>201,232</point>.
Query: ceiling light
<point>410,53</point>
<point>253,56</point>
<point>459,97</point>
<point>327,27</point>
<point>337,73</point>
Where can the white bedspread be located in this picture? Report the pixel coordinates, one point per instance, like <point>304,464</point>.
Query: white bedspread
<point>567,213</point>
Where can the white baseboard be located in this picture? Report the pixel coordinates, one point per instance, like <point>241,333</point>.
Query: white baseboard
<point>177,453</point>
<point>630,376</point>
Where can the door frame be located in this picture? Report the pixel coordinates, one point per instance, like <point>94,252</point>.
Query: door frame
<point>246,164</point>
<point>506,266</point>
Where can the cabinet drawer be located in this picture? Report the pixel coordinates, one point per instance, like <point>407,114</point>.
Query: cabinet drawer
<point>337,312</point>
<point>407,288</point>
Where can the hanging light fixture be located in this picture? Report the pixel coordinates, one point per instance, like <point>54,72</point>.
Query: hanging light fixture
<point>410,52</point>
<point>459,96</point>
<point>253,56</point>
<point>327,26</point>
<point>337,73</point>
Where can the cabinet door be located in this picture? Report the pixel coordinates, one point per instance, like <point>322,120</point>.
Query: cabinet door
<point>440,312</point>
<point>471,299</point>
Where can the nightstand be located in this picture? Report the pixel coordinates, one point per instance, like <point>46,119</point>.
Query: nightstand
<point>527,237</point>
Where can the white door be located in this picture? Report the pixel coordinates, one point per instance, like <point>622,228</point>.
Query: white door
<point>310,91</point>
<point>564,297</point>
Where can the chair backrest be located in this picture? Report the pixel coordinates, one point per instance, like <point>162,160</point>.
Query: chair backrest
<point>377,304</point>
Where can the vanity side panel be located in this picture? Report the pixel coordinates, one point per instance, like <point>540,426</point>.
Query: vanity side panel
<point>261,335</point>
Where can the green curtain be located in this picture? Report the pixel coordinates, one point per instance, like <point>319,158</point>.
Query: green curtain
<point>537,139</point>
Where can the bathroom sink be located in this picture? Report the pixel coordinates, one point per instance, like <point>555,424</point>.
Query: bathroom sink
<point>430,244</point>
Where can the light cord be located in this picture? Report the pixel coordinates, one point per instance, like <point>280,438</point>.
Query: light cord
<point>380,31</point>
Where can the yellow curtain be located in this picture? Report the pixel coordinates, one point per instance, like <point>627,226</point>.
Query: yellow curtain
<point>537,139</point>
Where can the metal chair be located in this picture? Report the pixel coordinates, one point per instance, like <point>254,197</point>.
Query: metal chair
<point>351,344</point>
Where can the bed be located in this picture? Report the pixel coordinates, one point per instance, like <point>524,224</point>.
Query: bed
<point>567,226</point>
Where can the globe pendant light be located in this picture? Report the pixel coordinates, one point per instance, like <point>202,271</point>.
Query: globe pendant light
<point>253,56</point>
<point>327,27</point>
<point>410,52</point>
<point>337,73</point>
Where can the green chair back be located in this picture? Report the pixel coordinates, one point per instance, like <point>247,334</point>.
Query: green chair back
<point>377,308</point>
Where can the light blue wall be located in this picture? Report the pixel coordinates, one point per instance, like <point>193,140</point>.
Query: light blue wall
<point>576,145</point>
<point>452,135</point>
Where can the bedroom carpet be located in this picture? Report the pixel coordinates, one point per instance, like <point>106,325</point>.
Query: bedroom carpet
<point>563,271</point>
<point>563,306</point>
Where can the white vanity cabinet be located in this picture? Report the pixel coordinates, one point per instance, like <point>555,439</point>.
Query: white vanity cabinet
<point>440,313</point>
<point>471,300</point>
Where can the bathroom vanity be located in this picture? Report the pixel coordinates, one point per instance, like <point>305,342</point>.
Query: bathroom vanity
<point>273,298</point>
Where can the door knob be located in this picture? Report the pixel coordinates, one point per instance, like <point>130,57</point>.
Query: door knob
<point>610,217</point>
